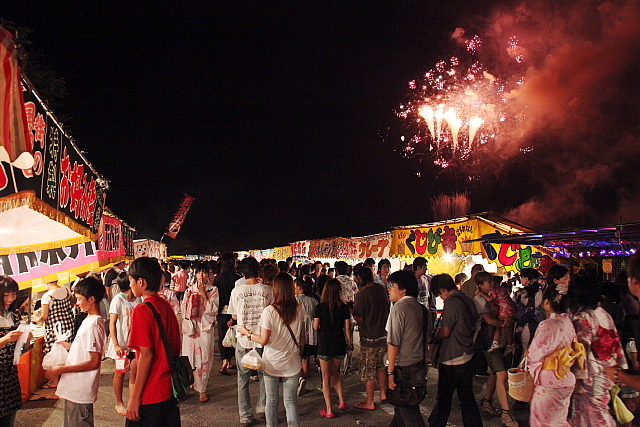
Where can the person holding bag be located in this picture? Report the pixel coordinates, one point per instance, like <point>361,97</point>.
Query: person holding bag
<point>151,402</point>
<point>406,342</point>
<point>550,357</point>
<point>282,333</point>
<point>10,396</point>
<point>200,310</point>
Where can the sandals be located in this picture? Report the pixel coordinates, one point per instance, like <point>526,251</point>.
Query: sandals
<point>487,406</point>
<point>324,414</point>
<point>507,419</point>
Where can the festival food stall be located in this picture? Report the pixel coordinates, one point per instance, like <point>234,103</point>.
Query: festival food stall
<point>452,247</point>
<point>604,249</point>
<point>51,197</point>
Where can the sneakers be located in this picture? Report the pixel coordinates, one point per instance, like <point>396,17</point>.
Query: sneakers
<point>507,419</point>
<point>494,346</point>
<point>488,407</point>
<point>301,386</point>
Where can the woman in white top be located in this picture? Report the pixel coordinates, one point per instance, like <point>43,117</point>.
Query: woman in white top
<point>120,310</point>
<point>283,336</point>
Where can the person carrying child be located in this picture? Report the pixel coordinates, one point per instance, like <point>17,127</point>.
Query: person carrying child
<point>507,313</point>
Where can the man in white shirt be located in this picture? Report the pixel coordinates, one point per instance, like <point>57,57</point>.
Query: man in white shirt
<point>246,304</point>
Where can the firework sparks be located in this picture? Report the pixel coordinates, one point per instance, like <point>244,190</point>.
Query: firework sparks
<point>449,108</point>
<point>456,107</point>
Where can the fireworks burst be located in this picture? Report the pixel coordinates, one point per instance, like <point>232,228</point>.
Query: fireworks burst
<point>454,108</point>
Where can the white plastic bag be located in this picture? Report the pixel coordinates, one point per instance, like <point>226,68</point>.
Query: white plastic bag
<point>58,354</point>
<point>229,339</point>
<point>26,330</point>
<point>252,360</point>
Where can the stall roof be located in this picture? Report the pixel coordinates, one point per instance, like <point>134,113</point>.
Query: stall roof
<point>489,217</point>
<point>621,236</point>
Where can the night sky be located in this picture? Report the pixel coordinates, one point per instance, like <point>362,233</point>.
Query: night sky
<point>270,113</point>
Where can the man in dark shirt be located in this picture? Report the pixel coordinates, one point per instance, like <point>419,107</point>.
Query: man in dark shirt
<point>457,331</point>
<point>371,310</point>
<point>225,281</point>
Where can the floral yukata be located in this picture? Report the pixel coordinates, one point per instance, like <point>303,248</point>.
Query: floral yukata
<point>553,351</point>
<point>197,332</point>
<point>596,330</point>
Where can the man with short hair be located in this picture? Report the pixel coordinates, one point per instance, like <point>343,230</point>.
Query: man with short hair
<point>246,304</point>
<point>424,297</point>
<point>151,402</point>
<point>371,310</point>
<point>469,287</point>
<point>457,331</point>
<point>405,339</point>
<point>110,278</point>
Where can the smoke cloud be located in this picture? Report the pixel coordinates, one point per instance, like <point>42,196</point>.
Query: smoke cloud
<point>581,101</point>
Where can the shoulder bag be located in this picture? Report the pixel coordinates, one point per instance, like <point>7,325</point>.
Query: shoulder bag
<point>411,381</point>
<point>181,370</point>
<point>293,336</point>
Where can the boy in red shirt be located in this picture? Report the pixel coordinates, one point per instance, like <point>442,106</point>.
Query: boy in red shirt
<point>151,402</point>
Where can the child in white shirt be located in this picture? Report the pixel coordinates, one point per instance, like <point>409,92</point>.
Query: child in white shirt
<point>80,376</point>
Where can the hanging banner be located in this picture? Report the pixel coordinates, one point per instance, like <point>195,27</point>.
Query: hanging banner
<point>150,248</point>
<point>323,248</point>
<point>447,239</point>
<point>38,267</point>
<point>374,246</point>
<point>59,175</point>
<point>282,253</point>
<point>347,248</point>
<point>111,247</point>
<point>16,145</point>
<point>300,249</point>
<point>178,218</point>
<point>128,233</point>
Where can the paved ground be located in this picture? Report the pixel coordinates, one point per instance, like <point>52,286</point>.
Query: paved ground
<point>221,410</point>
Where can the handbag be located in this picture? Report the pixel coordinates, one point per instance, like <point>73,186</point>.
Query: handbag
<point>181,370</point>
<point>411,381</point>
<point>521,384</point>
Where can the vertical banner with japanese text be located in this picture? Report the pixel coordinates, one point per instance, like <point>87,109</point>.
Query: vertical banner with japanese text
<point>178,218</point>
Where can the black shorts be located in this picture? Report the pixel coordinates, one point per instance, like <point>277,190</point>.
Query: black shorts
<point>309,350</point>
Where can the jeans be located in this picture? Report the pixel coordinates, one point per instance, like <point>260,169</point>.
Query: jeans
<point>244,399</point>
<point>407,416</point>
<point>289,395</point>
<point>451,378</point>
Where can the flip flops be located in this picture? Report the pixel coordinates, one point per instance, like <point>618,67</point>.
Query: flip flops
<point>363,408</point>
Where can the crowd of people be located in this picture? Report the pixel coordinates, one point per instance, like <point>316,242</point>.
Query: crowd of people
<point>576,334</point>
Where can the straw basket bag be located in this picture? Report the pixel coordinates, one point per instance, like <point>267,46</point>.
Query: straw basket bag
<point>520,382</point>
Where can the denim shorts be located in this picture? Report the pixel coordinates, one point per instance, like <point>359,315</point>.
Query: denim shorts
<point>328,358</point>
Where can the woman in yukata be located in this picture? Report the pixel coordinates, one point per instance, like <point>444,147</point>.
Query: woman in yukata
<point>199,309</point>
<point>597,332</point>
<point>553,351</point>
